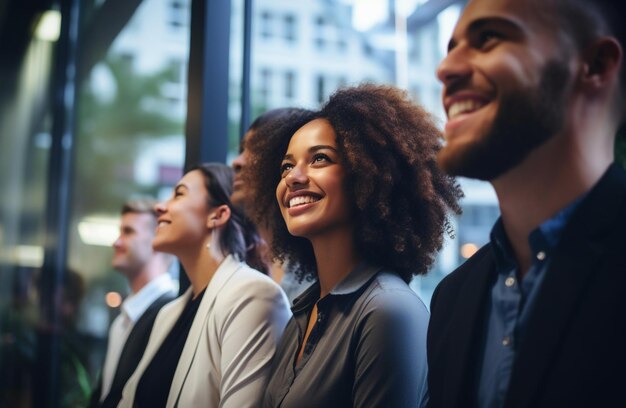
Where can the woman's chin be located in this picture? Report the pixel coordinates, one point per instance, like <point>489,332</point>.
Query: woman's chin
<point>159,245</point>
<point>299,232</point>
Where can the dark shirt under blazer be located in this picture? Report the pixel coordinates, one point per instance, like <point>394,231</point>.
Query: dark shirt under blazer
<point>228,352</point>
<point>131,353</point>
<point>573,351</point>
<point>367,348</point>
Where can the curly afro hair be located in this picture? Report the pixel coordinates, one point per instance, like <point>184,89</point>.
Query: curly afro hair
<point>401,198</point>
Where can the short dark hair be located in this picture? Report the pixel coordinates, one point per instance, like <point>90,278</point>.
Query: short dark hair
<point>585,20</point>
<point>240,237</point>
<point>400,197</point>
<point>275,118</point>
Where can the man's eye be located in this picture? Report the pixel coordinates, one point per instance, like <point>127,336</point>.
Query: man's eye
<point>488,37</point>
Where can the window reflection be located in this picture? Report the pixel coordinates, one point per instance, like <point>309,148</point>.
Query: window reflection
<point>129,143</point>
<point>25,140</point>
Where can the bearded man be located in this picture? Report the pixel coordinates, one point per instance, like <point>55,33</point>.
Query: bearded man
<point>534,93</point>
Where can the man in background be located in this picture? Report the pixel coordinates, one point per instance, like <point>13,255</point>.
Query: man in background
<point>151,287</point>
<point>534,93</point>
<point>274,124</point>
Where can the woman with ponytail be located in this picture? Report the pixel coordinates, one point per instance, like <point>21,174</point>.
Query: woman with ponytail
<point>213,346</point>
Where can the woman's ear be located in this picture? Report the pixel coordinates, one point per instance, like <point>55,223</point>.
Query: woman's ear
<point>219,216</point>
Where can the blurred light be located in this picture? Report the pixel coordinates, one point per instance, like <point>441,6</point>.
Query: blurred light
<point>469,249</point>
<point>103,83</point>
<point>113,299</point>
<point>101,230</point>
<point>43,140</point>
<point>23,255</point>
<point>49,27</point>
<point>368,13</point>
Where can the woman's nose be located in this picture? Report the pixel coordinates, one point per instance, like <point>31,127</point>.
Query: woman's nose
<point>297,176</point>
<point>160,207</point>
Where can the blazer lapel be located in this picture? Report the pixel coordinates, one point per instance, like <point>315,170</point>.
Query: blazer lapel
<point>226,270</point>
<point>573,263</point>
<point>462,334</point>
<point>165,320</point>
<point>165,325</point>
<point>134,349</point>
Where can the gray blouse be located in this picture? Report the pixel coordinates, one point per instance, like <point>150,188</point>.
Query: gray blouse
<point>367,348</point>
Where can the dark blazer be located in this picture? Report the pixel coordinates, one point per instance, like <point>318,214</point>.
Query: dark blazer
<point>131,354</point>
<point>574,350</point>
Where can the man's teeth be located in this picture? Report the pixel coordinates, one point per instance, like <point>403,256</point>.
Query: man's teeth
<point>465,106</point>
<point>300,200</point>
<point>162,223</point>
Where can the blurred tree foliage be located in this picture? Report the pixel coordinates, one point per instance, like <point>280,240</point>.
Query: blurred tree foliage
<point>119,112</point>
<point>110,132</point>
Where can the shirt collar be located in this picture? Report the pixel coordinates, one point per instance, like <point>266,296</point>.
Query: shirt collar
<point>352,283</point>
<point>544,238</point>
<point>306,299</point>
<point>137,303</point>
<point>355,280</point>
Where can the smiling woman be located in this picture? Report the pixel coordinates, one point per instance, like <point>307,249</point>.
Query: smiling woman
<point>199,349</point>
<point>360,204</point>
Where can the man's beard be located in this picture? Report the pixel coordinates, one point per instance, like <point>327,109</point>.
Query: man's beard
<point>524,122</point>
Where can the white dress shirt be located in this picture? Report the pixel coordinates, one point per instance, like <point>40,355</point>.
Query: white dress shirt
<point>131,310</point>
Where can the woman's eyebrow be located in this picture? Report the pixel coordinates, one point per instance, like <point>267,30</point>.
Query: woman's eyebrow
<point>312,149</point>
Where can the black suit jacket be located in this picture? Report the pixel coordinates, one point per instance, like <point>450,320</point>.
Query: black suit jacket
<point>131,354</point>
<point>574,350</point>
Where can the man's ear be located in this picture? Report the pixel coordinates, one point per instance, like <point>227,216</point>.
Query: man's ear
<point>601,63</point>
<point>219,216</point>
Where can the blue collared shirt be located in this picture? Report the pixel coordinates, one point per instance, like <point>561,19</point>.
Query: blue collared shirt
<point>511,303</point>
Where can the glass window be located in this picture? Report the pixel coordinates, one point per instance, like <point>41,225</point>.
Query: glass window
<point>265,88</point>
<point>178,14</point>
<point>342,44</point>
<point>320,32</point>
<point>266,24</point>
<point>321,88</point>
<point>25,141</point>
<point>290,27</point>
<point>289,84</point>
<point>129,142</point>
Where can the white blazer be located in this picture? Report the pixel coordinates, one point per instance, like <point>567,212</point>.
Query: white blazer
<point>227,356</point>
